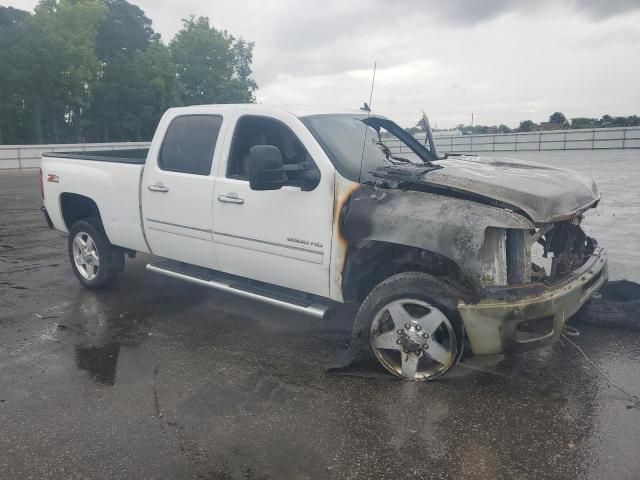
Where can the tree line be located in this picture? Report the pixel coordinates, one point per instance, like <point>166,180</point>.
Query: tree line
<point>95,71</point>
<point>557,121</point>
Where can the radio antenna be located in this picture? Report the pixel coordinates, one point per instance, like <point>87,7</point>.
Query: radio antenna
<point>367,108</point>
<point>373,82</point>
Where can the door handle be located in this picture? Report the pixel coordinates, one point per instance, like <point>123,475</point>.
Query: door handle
<point>158,187</point>
<point>231,198</point>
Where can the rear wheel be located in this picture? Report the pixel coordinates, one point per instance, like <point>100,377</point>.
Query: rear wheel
<point>413,329</point>
<point>94,260</point>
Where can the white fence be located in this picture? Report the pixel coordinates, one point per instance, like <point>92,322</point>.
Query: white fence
<point>28,156</point>
<point>583,139</point>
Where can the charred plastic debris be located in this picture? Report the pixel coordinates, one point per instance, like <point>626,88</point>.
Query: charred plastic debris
<point>565,240</point>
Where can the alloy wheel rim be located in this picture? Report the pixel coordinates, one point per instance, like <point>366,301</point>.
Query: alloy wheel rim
<point>85,255</point>
<point>413,339</point>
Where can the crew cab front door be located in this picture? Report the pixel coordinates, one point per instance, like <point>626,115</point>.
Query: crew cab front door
<point>177,190</point>
<point>281,237</point>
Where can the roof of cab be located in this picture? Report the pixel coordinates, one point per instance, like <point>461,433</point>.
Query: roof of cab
<point>297,110</point>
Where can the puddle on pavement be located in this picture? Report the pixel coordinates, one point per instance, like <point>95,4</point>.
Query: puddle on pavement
<point>101,329</point>
<point>101,323</point>
<point>100,362</point>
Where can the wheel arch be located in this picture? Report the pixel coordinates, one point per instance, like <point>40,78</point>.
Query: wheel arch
<point>371,262</point>
<point>74,207</point>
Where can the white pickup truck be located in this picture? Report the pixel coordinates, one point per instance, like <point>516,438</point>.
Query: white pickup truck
<point>309,208</point>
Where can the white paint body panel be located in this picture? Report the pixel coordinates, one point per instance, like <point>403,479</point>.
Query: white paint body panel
<point>178,223</point>
<point>114,187</point>
<point>280,236</point>
<point>283,237</point>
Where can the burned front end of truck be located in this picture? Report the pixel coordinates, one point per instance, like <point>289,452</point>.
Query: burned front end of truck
<point>520,274</point>
<point>490,251</point>
<point>537,279</point>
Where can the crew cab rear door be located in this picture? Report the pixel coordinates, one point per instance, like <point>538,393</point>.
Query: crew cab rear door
<point>177,187</point>
<point>282,237</point>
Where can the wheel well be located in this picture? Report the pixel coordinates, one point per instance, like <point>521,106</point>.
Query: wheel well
<point>75,207</point>
<point>369,264</point>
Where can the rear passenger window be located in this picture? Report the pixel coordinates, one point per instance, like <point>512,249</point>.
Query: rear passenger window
<point>189,144</point>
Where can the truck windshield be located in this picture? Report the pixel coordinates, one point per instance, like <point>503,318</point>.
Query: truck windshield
<point>347,141</point>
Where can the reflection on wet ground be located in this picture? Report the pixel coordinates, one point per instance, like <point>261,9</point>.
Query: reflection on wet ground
<point>103,321</point>
<point>159,379</point>
<point>99,361</point>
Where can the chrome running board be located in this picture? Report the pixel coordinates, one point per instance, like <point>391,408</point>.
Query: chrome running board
<point>278,296</point>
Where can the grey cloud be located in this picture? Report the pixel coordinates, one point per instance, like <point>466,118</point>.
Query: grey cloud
<point>602,9</point>
<point>310,37</point>
<point>492,57</point>
<point>473,12</point>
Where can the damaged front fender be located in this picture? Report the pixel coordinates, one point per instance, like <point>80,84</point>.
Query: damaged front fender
<point>450,227</point>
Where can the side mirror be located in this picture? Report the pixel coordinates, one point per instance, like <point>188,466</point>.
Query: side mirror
<point>266,169</point>
<point>268,172</point>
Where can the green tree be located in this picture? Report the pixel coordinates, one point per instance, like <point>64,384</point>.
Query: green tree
<point>633,121</point>
<point>53,64</point>
<point>35,77</point>
<point>212,66</point>
<point>10,16</point>
<point>75,24</point>
<point>559,118</point>
<point>527,126</point>
<point>583,122</point>
<point>243,51</point>
<point>502,128</point>
<point>12,112</point>
<point>82,70</point>
<point>133,93</point>
<point>483,129</point>
<point>125,29</point>
<point>606,121</point>
<point>137,79</point>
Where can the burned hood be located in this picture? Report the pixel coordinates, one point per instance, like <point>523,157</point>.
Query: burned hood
<point>543,193</point>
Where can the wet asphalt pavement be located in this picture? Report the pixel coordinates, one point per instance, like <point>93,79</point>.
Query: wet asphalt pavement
<point>159,379</point>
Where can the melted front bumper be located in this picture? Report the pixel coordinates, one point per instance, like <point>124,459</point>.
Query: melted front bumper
<point>515,319</point>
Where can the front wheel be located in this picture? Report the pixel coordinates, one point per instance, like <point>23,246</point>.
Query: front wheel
<point>412,326</point>
<point>94,260</point>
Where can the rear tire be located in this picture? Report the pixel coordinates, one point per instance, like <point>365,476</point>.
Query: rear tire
<point>411,324</point>
<point>96,262</point>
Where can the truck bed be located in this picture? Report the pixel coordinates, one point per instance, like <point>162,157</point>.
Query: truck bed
<point>111,179</point>
<point>133,156</point>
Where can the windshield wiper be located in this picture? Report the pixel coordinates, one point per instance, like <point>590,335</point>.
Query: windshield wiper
<point>399,160</point>
<point>404,173</point>
<point>388,155</point>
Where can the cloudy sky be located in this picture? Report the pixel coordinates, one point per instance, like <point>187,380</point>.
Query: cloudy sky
<point>504,60</point>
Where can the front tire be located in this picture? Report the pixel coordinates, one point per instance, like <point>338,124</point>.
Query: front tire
<point>411,324</point>
<point>94,260</point>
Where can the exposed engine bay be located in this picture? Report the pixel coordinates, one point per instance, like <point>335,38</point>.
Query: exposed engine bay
<point>569,247</point>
